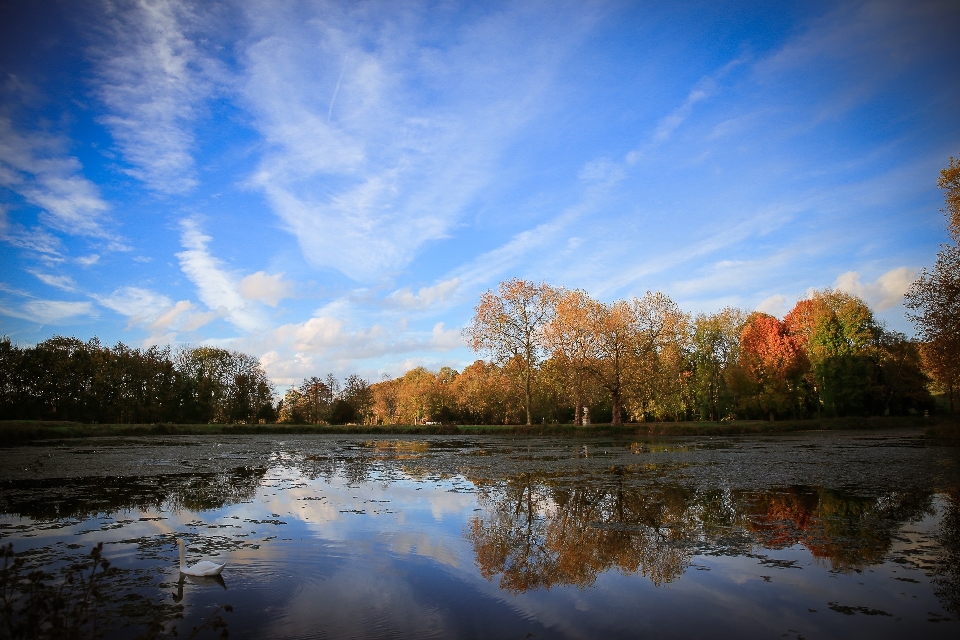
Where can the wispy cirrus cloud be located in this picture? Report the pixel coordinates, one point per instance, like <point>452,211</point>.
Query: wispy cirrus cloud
<point>155,312</point>
<point>379,134</point>
<point>217,287</point>
<point>425,296</point>
<point>35,165</point>
<point>48,311</point>
<point>35,239</point>
<point>65,283</point>
<point>153,78</point>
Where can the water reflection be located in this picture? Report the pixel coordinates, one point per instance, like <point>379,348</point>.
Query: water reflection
<point>198,581</point>
<point>947,579</point>
<point>59,498</point>
<point>454,537</point>
<point>536,532</point>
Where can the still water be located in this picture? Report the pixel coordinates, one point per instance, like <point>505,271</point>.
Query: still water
<point>812,535</point>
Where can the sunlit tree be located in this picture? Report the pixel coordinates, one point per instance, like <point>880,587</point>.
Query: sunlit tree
<point>509,326</point>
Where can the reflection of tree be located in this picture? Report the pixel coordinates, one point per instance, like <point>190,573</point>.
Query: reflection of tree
<point>537,534</point>
<point>86,497</point>
<point>850,532</point>
<point>946,583</point>
<point>538,531</point>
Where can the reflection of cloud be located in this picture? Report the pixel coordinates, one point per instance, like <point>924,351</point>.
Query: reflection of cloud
<point>885,293</point>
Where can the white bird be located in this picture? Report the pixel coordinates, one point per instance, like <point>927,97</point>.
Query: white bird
<point>202,568</point>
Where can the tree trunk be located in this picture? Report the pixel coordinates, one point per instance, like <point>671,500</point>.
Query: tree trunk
<point>616,420</point>
<point>527,393</point>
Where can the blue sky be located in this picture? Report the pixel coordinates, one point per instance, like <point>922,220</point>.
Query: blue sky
<point>330,186</point>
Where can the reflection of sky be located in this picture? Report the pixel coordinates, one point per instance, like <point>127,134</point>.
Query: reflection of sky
<point>327,557</point>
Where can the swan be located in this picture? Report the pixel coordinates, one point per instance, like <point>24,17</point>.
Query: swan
<point>202,568</point>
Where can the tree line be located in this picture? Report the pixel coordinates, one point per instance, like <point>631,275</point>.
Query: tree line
<point>558,355</point>
<point>67,379</point>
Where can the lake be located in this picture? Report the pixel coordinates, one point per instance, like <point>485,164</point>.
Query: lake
<point>804,535</point>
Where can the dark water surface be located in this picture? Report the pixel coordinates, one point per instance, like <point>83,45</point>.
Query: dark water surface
<point>814,535</point>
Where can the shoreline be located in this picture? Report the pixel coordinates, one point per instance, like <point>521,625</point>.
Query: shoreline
<point>22,432</point>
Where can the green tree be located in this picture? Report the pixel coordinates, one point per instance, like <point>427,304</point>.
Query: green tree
<point>934,298</point>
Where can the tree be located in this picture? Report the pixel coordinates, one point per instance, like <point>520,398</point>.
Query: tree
<point>357,393</point>
<point>510,326</point>
<point>570,339</point>
<point>613,329</point>
<point>416,396</point>
<point>935,296</point>
<point>773,360</point>
<point>661,373</point>
<point>483,395</point>
<point>716,346</point>
<point>315,400</point>
<point>841,339</point>
<point>385,400</point>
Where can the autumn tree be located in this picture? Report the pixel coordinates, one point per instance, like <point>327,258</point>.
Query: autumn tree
<point>416,396</point>
<point>570,339</point>
<point>934,298</point>
<point>613,330</point>
<point>484,395</point>
<point>509,326</point>
<point>840,336</point>
<point>773,360</point>
<point>385,401</point>
<point>315,400</point>
<point>661,372</point>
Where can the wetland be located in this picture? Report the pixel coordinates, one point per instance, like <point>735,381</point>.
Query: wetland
<point>807,534</point>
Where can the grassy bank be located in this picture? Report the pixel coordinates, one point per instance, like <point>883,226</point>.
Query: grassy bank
<point>16,432</point>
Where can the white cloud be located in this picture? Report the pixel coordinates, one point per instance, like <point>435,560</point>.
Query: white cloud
<point>48,311</point>
<point>327,343</point>
<point>65,283</point>
<point>139,305</point>
<point>89,260</point>
<point>443,339</point>
<point>426,296</point>
<point>775,305</point>
<point>155,311</point>
<point>884,293</point>
<point>705,88</point>
<point>36,167</point>
<point>152,78</point>
<point>361,171</point>
<point>269,289</point>
<point>216,287</point>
